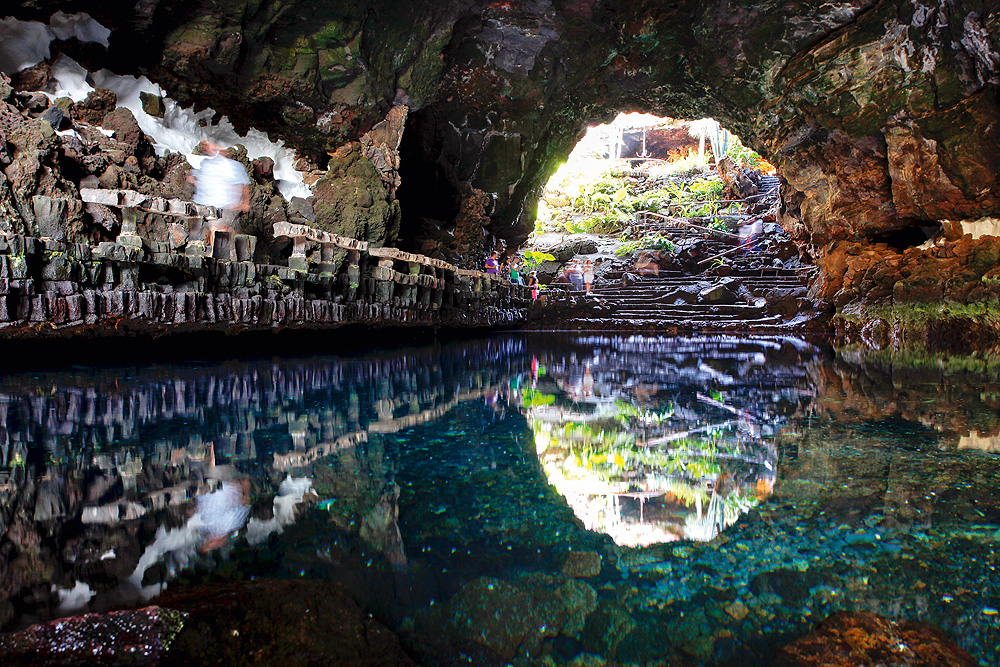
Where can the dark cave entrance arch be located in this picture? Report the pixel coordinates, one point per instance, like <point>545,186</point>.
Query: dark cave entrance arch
<point>441,163</point>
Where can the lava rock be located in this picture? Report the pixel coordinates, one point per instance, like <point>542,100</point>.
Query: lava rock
<point>718,294</point>
<point>152,104</point>
<point>293,623</point>
<point>791,585</point>
<point>861,638</point>
<point>96,105</point>
<point>137,637</point>
<point>573,245</point>
<point>582,564</point>
<point>500,619</point>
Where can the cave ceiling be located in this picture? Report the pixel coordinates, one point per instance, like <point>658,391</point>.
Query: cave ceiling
<point>877,113</point>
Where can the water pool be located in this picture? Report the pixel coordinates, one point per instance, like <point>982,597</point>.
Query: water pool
<point>542,499</point>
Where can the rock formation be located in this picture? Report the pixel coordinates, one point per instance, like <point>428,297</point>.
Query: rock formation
<point>880,117</point>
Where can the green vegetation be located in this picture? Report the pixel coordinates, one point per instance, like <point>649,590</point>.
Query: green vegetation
<point>607,222</point>
<point>645,243</point>
<point>532,258</point>
<point>533,399</point>
<point>743,156</point>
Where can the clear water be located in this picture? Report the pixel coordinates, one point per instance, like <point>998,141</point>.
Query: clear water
<point>733,492</point>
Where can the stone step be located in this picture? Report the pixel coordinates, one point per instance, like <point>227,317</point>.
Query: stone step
<point>626,293</point>
<point>682,323</point>
<point>695,310</point>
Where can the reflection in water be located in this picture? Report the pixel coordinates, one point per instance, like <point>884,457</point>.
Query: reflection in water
<point>445,484</point>
<point>654,441</point>
<point>142,472</point>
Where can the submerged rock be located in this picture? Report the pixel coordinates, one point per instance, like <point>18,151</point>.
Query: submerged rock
<point>139,637</point>
<point>861,638</point>
<point>504,620</point>
<point>288,623</point>
<point>581,564</point>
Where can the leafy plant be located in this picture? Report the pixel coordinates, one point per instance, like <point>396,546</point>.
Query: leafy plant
<point>608,222</point>
<point>645,243</point>
<point>743,156</point>
<point>532,258</point>
<point>721,225</point>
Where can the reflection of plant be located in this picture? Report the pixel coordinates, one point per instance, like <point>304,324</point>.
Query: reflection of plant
<point>629,412</point>
<point>534,399</point>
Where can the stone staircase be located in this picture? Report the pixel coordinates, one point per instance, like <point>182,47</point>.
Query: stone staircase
<point>754,291</point>
<point>672,301</point>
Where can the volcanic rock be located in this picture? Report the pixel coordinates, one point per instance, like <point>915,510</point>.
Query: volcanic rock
<point>853,639</point>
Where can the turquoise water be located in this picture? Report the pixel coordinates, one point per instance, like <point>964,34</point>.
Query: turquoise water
<point>519,499</point>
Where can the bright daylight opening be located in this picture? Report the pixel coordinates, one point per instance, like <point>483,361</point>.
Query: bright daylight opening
<point>641,169</point>
<point>658,220</point>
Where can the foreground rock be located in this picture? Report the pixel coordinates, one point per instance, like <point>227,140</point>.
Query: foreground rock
<point>495,620</point>
<point>140,637</point>
<point>289,623</point>
<point>862,638</point>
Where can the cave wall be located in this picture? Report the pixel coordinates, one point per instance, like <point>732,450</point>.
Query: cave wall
<point>878,115</point>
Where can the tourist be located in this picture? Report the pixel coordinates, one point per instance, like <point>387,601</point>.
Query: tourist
<point>533,284</point>
<point>515,274</point>
<point>492,265</point>
<point>588,275</point>
<point>574,275</point>
<point>223,184</point>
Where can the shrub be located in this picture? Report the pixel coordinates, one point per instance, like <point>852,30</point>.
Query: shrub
<point>532,258</point>
<point>645,243</point>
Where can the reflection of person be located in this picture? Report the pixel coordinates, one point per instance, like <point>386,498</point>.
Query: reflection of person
<point>223,512</point>
<point>223,184</point>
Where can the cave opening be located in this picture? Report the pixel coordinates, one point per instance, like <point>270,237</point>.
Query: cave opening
<point>641,169</point>
<point>911,236</point>
<point>431,171</point>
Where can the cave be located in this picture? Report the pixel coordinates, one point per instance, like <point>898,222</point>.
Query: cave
<point>871,116</point>
<point>320,423</point>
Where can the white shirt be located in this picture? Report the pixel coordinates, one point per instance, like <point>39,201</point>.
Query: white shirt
<point>219,182</point>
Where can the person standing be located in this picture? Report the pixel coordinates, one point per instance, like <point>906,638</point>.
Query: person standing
<point>588,275</point>
<point>515,273</point>
<point>492,264</point>
<point>223,184</point>
<point>533,284</point>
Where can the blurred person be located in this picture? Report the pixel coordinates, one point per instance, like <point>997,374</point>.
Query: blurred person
<point>223,184</point>
<point>588,275</point>
<point>574,275</point>
<point>223,512</point>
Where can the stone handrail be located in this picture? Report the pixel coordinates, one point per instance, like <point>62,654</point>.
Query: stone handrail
<point>53,287</point>
<point>293,230</point>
